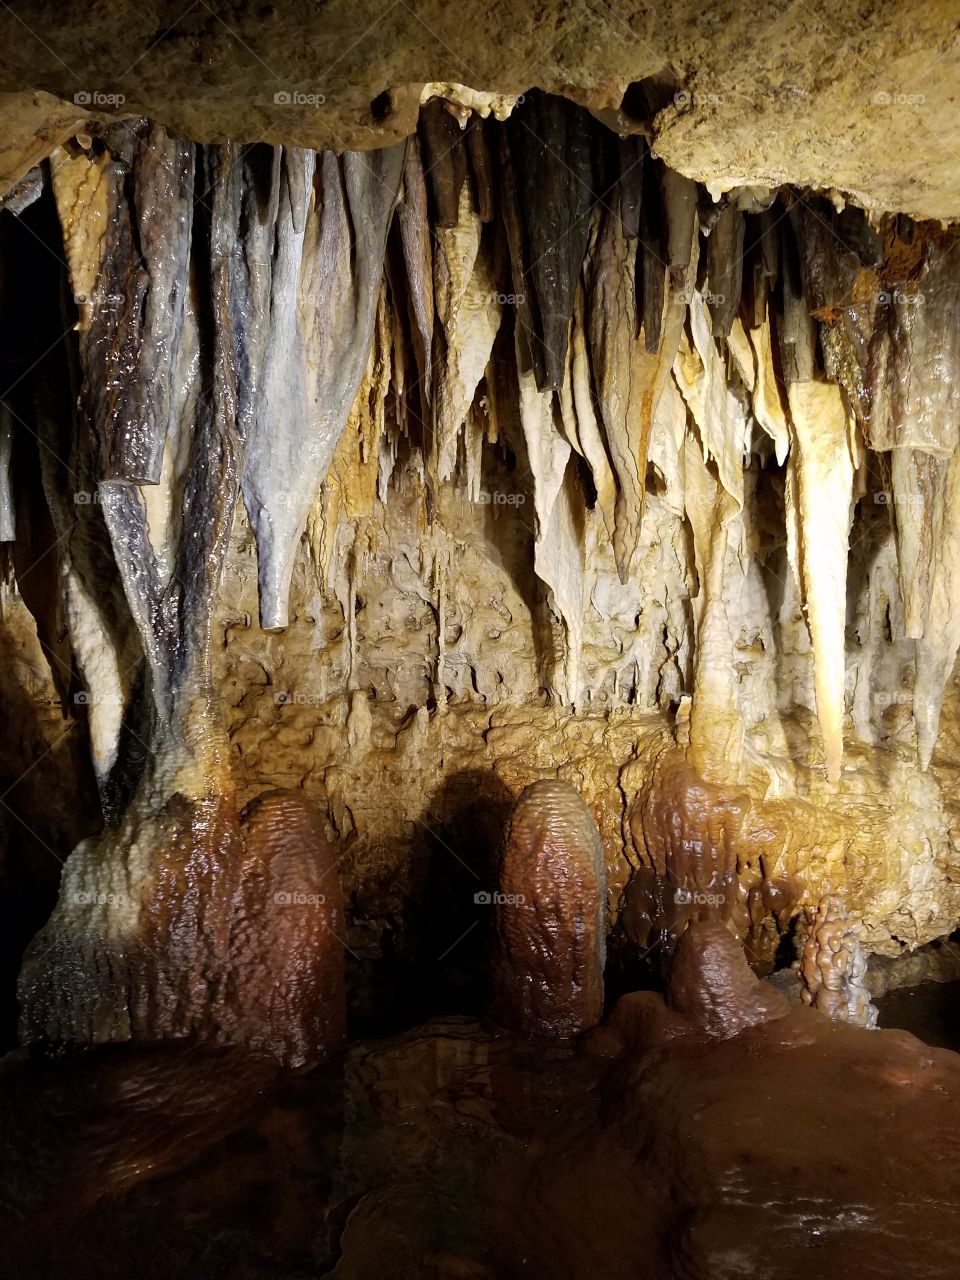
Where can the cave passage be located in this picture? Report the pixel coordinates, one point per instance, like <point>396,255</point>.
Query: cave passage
<point>478,622</point>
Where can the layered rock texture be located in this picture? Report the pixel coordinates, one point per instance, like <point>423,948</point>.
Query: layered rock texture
<point>405,478</point>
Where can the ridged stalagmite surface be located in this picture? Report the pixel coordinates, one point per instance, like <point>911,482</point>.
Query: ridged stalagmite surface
<point>235,936</point>
<point>287,947</point>
<point>550,942</point>
<point>711,983</point>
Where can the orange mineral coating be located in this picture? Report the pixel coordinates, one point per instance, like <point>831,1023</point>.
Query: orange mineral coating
<point>550,943</point>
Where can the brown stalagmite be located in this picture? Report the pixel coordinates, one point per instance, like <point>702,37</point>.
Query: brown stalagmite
<point>550,942</point>
<point>712,985</point>
<point>287,942</point>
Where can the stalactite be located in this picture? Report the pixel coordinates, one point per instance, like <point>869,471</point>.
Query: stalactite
<point>725,269</point>
<point>649,282</point>
<point>937,650</point>
<point>8,523</point>
<point>132,310</point>
<point>912,386</point>
<point>558,502</point>
<point>326,280</point>
<point>468,313</point>
<point>716,726</point>
<point>414,220</point>
<point>680,204</point>
<point>551,155</point>
<point>444,159</point>
<point>628,379</point>
<point>820,497</point>
<point>917,491</point>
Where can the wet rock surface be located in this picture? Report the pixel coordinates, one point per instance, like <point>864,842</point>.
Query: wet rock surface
<point>791,1149</point>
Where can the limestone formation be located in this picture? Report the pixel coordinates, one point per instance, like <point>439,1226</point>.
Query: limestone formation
<point>832,965</point>
<point>550,923</point>
<point>662,481</point>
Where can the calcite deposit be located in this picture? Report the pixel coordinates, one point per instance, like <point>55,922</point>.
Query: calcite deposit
<point>407,477</point>
<point>550,924</point>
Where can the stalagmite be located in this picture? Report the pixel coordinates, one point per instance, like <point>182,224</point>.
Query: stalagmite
<point>550,943</point>
<point>712,985</point>
<point>326,278</point>
<point>551,154</point>
<point>833,967</point>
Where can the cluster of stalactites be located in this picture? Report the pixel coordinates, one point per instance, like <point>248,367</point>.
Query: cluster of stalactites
<point>541,283</point>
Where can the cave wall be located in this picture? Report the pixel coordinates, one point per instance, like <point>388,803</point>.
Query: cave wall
<point>673,517</point>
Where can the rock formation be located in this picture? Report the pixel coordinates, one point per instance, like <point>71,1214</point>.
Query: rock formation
<point>832,965</point>
<point>642,471</point>
<point>550,922</point>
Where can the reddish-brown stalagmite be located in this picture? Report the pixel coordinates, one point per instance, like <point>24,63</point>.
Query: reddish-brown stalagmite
<point>286,944</point>
<point>236,939</point>
<point>550,941</point>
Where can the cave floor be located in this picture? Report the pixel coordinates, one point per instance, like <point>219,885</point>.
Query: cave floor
<point>792,1150</point>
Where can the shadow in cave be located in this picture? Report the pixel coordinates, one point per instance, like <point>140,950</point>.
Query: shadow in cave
<point>48,805</point>
<point>438,966</point>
